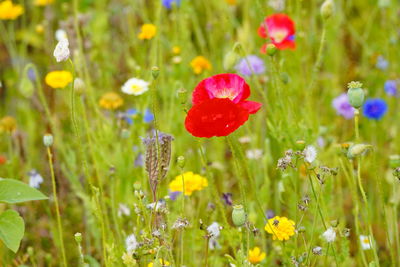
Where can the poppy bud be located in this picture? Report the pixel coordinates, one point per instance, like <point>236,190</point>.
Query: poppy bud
<point>271,49</point>
<point>357,149</point>
<point>155,71</point>
<point>48,140</point>
<point>327,9</point>
<point>137,185</point>
<point>78,237</point>
<point>300,144</point>
<point>356,94</point>
<point>181,162</point>
<point>285,78</point>
<point>394,161</point>
<point>230,60</point>
<point>301,229</point>
<point>334,223</point>
<point>182,94</point>
<point>239,215</point>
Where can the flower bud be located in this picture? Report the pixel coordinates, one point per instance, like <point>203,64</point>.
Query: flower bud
<point>48,140</point>
<point>230,60</point>
<point>79,86</point>
<point>239,216</point>
<point>300,144</point>
<point>155,71</point>
<point>137,185</point>
<point>181,162</point>
<point>301,229</point>
<point>26,87</point>
<point>271,49</point>
<point>394,161</point>
<point>334,223</point>
<point>356,94</point>
<point>357,150</point>
<point>327,9</point>
<point>78,237</point>
<point>285,77</point>
<point>182,95</point>
<point>30,251</point>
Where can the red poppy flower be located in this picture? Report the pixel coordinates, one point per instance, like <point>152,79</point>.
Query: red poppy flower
<point>280,29</point>
<point>3,160</point>
<point>225,85</point>
<point>215,117</point>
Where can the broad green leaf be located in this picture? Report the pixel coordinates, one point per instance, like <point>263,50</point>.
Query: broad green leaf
<point>14,191</point>
<point>12,229</point>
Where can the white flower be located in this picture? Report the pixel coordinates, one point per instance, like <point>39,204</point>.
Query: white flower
<point>329,235</point>
<point>61,34</point>
<point>310,154</point>
<point>161,205</point>
<point>245,139</point>
<point>254,153</point>
<point>278,5</point>
<point>214,230</point>
<point>61,52</point>
<point>135,86</point>
<point>131,243</point>
<point>365,242</point>
<point>123,210</point>
<point>35,179</point>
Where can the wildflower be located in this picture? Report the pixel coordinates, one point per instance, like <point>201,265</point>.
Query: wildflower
<point>148,116</point>
<point>192,182</point>
<point>382,63</point>
<point>391,87</point>
<point>254,153</point>
<point>135,86</point>
<point>270,214</point>
<point>286,161</point>
<point>200,64</point>
<point>280,29</point>
<point>365,242</point>
<point>180,223</point>
<point>131,243</point>
<point>343,107</point>
<point>43,2</point>
<point>9,11</point>
<point>329,235</point>
<point>317,251</point>
<point>61,52</point>
<point>227,198</point>
<point>147,32</point>
<point>127,259</point>
<point>60,34</point>
<point>3,160</point>
<point>176,50</point>
<point>162,262</point>
<point>79,85</point>
<point>139,160</point>
<point>35,179</point>
<point>220,106</point>
<point>310,154</point>
<point>111,101</point>
<point>8,124</point>
<point>168,4</point>
<point>39,28</point>
<point>58,78</point>
<point>214,231</point>
<point>123,210</point>
<point>250,65</point>
<point>48,140</point>
<point>281,228</point>
<point>255,255</point>
<point>231,2</point>
<point>160,206</point>
<point>374,108</point>
<point>278,5</point>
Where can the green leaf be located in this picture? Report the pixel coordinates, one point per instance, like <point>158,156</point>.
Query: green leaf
<point>12,229</point>
<point>14,191</point>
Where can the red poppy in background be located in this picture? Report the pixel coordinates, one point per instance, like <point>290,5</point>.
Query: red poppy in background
<point>220,106</point>
<point>280,29</point>
<point>3,160</point>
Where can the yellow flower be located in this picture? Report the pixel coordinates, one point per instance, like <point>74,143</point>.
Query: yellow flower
<point>39,28</point>
<point>147,31</point>
<point>162,262</point>
<point>8,124</point>
<point>199,64</point>
<point>255,255</point>
<point>193,182</point>
<point>231,2</point>
<point>10,11</point>
<point>281,228</point>
<point>58,78</point>
<point>176,50</point>
<point>111,101</point>
<point>43,2</point>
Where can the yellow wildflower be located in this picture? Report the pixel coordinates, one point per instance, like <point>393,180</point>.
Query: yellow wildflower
<point>147,31</point>
<point>176,50</point>
<point>9,11</point>
<point>111,101</point>
<point>281,228</point>
<point>193,182</point>
<point>58,78</point>
<point>43,2</point>
<point>255,255</point>
<point>199,64</point>
<point>8,124</point>
<point>162,262</point>
<point>39,28</point>
<point>231,2</point>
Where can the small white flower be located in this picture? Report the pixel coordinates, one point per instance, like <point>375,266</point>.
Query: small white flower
<point>61,52</point>
<point>61,34</point>
<point>365,242</point>
<point>161,205</point>
<point>254,153</point>
<point>35,179</point>
<point>135,86</point>
<point>131,243</point>
<point>123,210</point>
<point>310,154</point>
<point>245,139</point>
<point>214,229</point>
<point>329,235</point>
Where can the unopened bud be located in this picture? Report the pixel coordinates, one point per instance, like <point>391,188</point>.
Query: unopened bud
<point>300,144</point>
<point>285,78</point>
<point>182,95</point>
<point>327,9</point>
<point>334,223</point>
<point>239,216</point>
<point>48,140</point>
<point>155,71</point>
<point>301,229</point>
<point>356,94</point>
<point>271,49</point>
<point>181,162</point>
<point>78,237</point>
<point>79,86</point>
<point>137,185</point>
<point>357,150</point>
<point>394,161</point>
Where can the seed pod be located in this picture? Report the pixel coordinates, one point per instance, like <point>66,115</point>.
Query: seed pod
<point>327,9</point>
<point>357,150</point>
<point>356,94</point>
<point>271,49</point>
<point>239,215</point>
<point>48,140</point>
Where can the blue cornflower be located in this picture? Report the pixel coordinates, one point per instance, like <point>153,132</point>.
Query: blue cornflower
<point>168,3</point>
<point>249,65</point>
<point>148,116</point>
<point>130,114</point>
<point>391,87</point>
<point>382,63</point>
<point>374,108</point>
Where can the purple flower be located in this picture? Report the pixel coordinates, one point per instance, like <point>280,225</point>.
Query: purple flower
<point>174,195</point>
<point>343,107</point>
<point>375,108</point>
<point>270,214</point>
<point>168,3</point>
<point>382,63</point>
<point>139,160</point>
<point>227,197</point>
<point>249,65</point>
<point>391,87</point>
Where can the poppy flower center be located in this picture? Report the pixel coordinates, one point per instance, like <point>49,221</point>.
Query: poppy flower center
<point>226,93</point>
<point>280,35</point>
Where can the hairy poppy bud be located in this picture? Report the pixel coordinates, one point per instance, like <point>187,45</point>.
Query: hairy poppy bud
<point>48,140</point>
<point>327,9</point>
<point>300,144</point>
<point>394,161</point>
<point>181,162</point>
<point>356,94</point>
<point>271,49</point>
<point>155,71</point>
<point>357,150</point>
<point>182,94</point>
<point>239,215</point>
<point>78,237</point>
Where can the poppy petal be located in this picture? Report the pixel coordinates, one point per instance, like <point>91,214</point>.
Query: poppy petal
<point>251,106</point>
<point>215,117</point>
